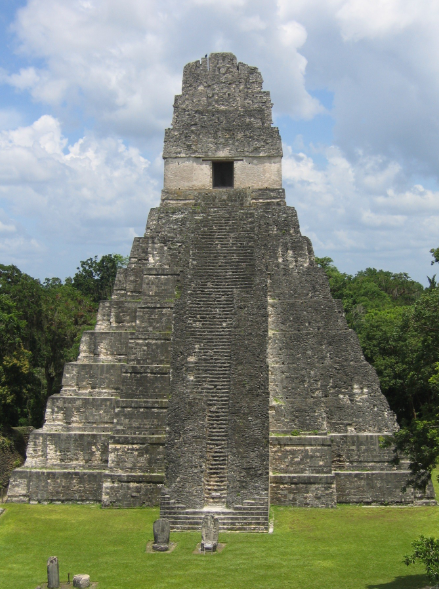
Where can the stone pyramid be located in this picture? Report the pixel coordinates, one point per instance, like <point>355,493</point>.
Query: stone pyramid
<point>221,376</point>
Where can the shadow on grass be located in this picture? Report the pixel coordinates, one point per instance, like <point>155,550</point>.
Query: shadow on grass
<point>409,582</point>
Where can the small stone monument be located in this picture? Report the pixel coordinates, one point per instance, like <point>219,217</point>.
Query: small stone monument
<point>81,581</point>
<point>209,533</point>
<point>162,531</point>
<point>52,573</point>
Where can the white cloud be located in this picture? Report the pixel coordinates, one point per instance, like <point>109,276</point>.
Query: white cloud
<point>118,65</point>
<point>96,191</point>
<point>354,211</point>
<point>378,58</point>
<point>377,18</point>
<point>122,63</point>
<point>292,34</point>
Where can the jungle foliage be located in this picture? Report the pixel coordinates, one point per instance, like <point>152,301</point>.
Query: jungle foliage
<point>41,324</point>
<point>397,322</point>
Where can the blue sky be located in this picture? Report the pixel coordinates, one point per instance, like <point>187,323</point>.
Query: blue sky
<point>86,91</point>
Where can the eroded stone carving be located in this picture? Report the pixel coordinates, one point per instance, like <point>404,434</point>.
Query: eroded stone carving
<point>209,533</point>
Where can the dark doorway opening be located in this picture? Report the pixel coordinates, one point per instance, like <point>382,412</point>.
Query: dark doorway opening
<point>222,174</point>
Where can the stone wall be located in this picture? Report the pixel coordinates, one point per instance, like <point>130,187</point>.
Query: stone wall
<point>220,93</point>
<point>196,173</point>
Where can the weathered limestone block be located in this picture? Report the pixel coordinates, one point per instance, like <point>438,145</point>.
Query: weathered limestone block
<point>157,349</point>
<point>117,316</point>
<point>62,486</point>
<point>212,98</point>
<point>268,196</point>
<point>305,315</point>
<point>131,490</point>
<point>139,250</point>
<point>289,413</point>
<point>83,411</point>
<point>120,285</point>
<point>147,382</point>
<point>89,377</point>
<point>104,346</point>
<point>131,453</point>
<point>140,416</point>
<point>303,490</point>
<point>300,455</point>
<point>362,451</point>
<point>67,448</point>
<point>154,319</point>
<point>159,287</point>
<point>373,487</point>
<point>134,280</point>
<point>18,490</point>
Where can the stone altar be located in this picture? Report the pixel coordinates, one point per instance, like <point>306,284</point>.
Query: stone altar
<point>221,373</point>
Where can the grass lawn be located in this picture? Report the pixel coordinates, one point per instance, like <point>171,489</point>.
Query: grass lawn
<point>351,547</point>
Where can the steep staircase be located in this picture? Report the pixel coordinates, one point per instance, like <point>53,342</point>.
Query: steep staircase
<point>251,516</point>
<point>221,266</point>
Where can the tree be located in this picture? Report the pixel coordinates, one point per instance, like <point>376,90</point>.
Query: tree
<point>432,281</point>
<point>435,253</point>
<point>95,278</point>
<point>67,314</point>
<point>18,382</point>
<point>427,551</point>
<point>26,293</point>
<point>40,329</point>
<point>419,441</point>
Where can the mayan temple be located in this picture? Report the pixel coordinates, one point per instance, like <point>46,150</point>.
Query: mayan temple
<point>221,376</point>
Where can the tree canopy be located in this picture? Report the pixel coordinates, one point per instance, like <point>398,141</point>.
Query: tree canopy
<point>41,325</point>
<point>397,322</point>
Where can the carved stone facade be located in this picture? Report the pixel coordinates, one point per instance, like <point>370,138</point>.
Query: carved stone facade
<point>221,375</point>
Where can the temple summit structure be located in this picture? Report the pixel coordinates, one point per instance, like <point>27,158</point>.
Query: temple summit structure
<point>221,376</point>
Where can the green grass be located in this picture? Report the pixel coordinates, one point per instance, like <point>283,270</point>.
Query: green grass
<point>351,547</point>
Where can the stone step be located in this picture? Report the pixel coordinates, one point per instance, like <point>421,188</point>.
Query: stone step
<point>222,514</point>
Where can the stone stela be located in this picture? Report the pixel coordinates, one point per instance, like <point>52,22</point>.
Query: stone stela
<point>161,529</point>
<point>52,573</point>
<point>221,339</point>
<point>209,533</point>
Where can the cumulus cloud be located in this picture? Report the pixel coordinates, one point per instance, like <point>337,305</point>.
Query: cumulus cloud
<point>352,210</point>
<point>379,60</point>
<point>118,65</point>
<point>122,63</point>
<point>96,192</point>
